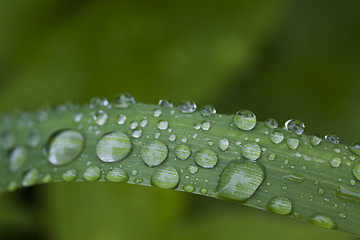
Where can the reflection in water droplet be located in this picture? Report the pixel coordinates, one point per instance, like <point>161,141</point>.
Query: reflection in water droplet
<point>335,162</point>
<point>239,180</point>
<point>17,158</point>
<point>154,153</point>
<point>69,175</point>
<point>271,123</point>
<point>207,110</point>
<point>30,177</point>
<point>294,125</point>
<point>64,146</point>
<point>165,177</point>
<point>113,147</point>
<point>182,151</point>
<point>187,107</point>
<point>332,138</point>
<point>322,221</point>
<point>116,175</point>
<point>123,100</point>
<point>245,119</point>
<point>277,137</point>
<point>92,173</point>
<point>206,158</point>
<point>251,151</point>
<point>280,205</point>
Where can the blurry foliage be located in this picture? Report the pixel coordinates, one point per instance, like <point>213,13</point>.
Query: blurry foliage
<point>284,59</point>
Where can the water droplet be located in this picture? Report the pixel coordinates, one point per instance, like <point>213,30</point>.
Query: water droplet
<point>165,177</point>
<point>321,191</point>
<point>348,195</point>
<point>98,102</point>
<point>187,107</point>
<point>277,137</point>
<point>188,188</point>
<point>64,146</point>
<point>157,112</point>
<point>7,140</point>
<point>121,119</point>
<point>100,118</point>
<point>292,143</point>
<point>92,173</point>
<point>332,138</point>
<point>251,151</point>
<point>134,124</point>
<point>123,100</point>
<point>116,175</point>
<point>294,177</point>
<point>355,148</point>
<point>207,110</point>
<point>154,153</point>
<point>224,144</point>
<point>245,119</point>
<point>239,180</point>
<point>69,175</point>
<point>192,169</point>
<point>172,138</point>
<point>47,178</point>
<point>315,140</point>
<point>139,180</point>
<point>163,125</point>
<point>271,123</point>
<point>280,205</point>
<point>182,151</point>
<point>294,125</point>
<point>165,103</point>
<point>113,147</point>
<point>30,177</point>
<point>33,138</point>
<point>335,162</point>
<point>78,117</point>
<point>206,158</point>
<point>342,215</point>
<point>17,158</point>
<point>143,123</point>
<point>205,126</point>
<point>322,221</point>
<point>203,191</point>
<point>137,133</point>
<point>356,171</point>
<point>272,156</point>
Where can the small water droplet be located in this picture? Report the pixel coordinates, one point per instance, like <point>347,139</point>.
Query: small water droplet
<point>271,123</point>
<point>157,112</point>
<point>116,175</point>
<point>172,138</point>
<point>30,177</point>
<point>192,169</point>
<point>295,125</point>
<point>182,151</point>
<point>33,138</point>
<point>121,119</point>
<point>321,191</point>
<point>224,144</point>
<point>251,151</point>
<point>206,158</point>
<point>47,178</point>
<point>315,140</point>
<point>165,177</point>
<point>113,147</point>
<point>322,221</point>
<point>143,123</point>
<point>134,124</point>
<point>208,110</point>
<point>280,205</point>
<point>294,177</point>
<point>165,103</point>
<point>64,146</point>
<point>245,119</point>
<point>139,180</point>
<point>100,118</point>
<point>292,143</point>
<point>203,191</point>
<point>205,126</point>
<point>98,102</point>
<point>69,175</point>
<point>239,180</point>
<point>332,138</point>
<point>163,125</point>
<point>277,137</point>
<point>92,173</point>
<point>154,153</point>
<point>17,158</point>
<point>137,133</point>
<point>355,148</point>
<point>78,117</point>
<point>335,162</point>
<point>272,156</point>
<point>188,188</point>
<point>123,100</point>
<point>187,107</point>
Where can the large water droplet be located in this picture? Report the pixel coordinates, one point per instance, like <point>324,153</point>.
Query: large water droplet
<point>100,118</point>
<point>356,171</point>
<point>187,107</point>
<point>322,221</point>
<point>165,177</point>
<point>116,175</point>
<point>154,153</point>
<point>17,158</point>
<point>205,126</point>
<point>280,205</point>
<point>239,180</point>
<point>245,119</point>
<point>271,123</point>
<point>206,158</point>
<point>165,103</point>
<point>251,151</point>
<point>113,147</point>
<point>92,173</point>
<point>332,138</point>
<point>295,126</point>
<point>163,125</point>
<point>123,100</point>
<point>207,110</point>
<point>292,143</point>
<point>315,140</point>
<point>335,162</point>
<point>182,151</point>
<point>30,177</point>
<point>69,175</point>
<point>64,146</point>
<point>355,148</point>
<point>277,137</point>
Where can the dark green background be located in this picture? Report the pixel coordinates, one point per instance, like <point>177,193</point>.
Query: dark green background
<point>284,59</point>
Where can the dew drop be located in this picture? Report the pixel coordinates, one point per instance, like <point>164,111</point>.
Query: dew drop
<point>332,138</point>
<point>116,175</point>
<point>348,195</point>
<point>292,143</point>
<point>64,146</point>
<point>239,180</point>
<point>46,178</point>
<point>113,147</point>
<point>322,221</point>
<point>33,138</point>
<point>69,175</point>
<point>154,153</point>
<point>157,112</point>
<point>355,148</point>
<point>206,158</point>
<point>192,169</point>
<point>277,137</point>
<point>123,100</point>
<point>342,215</point>
<point>187,107</point>
<point>188,188</point>
<point>121,119</point>
<point>224,144</point>
<point>315,140</point>
<point>295,125</point>
<point>7,140</point>
<point>271,123</point>
<point>208,110</point>
<point>17,158</point>
<point>356,171</point>
<point>245,119</point>
<point>143,123</point>
<point>98,102</point>
<point>163,125</point>
<point>335,162</point>
<point>172,138</point>
<point>294,177</point>
<point>100,118</point>
<point>251,151</point>
<point>134,124</point>
<point>280,205</point>
<point>78,117</point>
<point>165,177</point>
<point>203,191</point>
<point>92,173</point>
<point>182,151</point>
<point>165,103</point>
<point>30,177</point>
<point>205,126</point>
<point>137,133</point>
<point>271,156</point>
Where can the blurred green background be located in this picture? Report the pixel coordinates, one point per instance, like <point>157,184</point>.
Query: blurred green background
<point>284,59</point>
